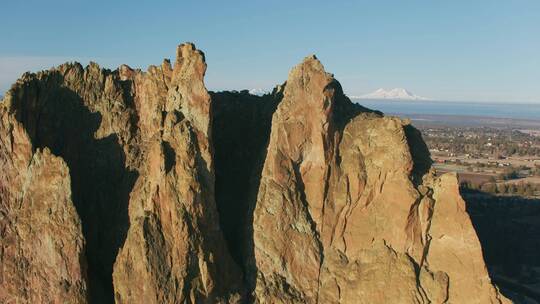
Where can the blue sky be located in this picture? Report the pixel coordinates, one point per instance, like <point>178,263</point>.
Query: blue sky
<point>449,50</point>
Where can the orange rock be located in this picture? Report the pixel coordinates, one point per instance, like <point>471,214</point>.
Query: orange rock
<point>42,247</point>
<point>137,139</point>
<point>455,248</point>
<point>174,248</point>
<point>107,194</point>
<point>347,206</point>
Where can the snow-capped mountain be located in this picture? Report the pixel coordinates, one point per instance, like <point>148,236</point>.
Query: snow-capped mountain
<point>259,92</point>
<point>397,93</point>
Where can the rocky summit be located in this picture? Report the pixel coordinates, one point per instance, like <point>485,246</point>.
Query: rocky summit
<point>132,186</point>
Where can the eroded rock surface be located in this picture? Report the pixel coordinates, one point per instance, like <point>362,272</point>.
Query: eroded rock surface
<point>142,187</point>
<point>354,215</point>
<point>86,117</point>
<point>41,243</point>
<point>174,248</point>
<point>139,150</point>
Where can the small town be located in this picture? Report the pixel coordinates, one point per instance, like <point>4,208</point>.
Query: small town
<point>494,160</point>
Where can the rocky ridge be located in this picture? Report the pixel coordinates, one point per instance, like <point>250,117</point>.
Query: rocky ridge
<point>142,187</point>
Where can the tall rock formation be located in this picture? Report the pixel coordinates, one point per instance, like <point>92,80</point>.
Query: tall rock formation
<point>174,247</point>
<point>142,187</point>
<point>84,116</point>
<point>457,251</point>
<point>137,139</point>
<point>353,209</point>
<point>41,243</point>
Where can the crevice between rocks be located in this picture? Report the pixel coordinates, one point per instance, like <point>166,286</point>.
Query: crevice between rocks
<point>240,132</point>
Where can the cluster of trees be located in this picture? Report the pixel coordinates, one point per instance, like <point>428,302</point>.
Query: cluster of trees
<point>510,173</point>
<point>522,189</point>
<point>514,172</point>
<point>515,149</point>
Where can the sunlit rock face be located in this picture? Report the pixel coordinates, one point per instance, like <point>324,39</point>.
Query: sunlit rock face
<point>174,247</point>
<point>133,186</point>
<point>348,210</point>
<point>41,245</point>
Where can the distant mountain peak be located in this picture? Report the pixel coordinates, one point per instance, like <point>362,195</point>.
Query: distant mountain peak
<point>259,91</point>
<point>396,93</point>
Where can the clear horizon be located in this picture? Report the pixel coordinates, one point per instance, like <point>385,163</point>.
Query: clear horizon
<point>486,51</point>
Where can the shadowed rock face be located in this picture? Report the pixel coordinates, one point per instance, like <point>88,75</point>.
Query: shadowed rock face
<point>241,129</point>
<point>138,148</point>
<point>141,187</point>
<point>82,117</point>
